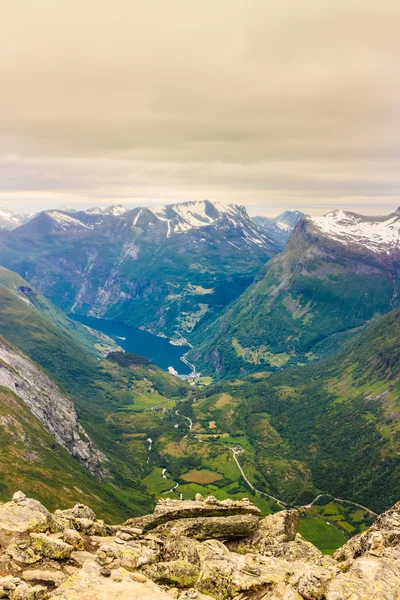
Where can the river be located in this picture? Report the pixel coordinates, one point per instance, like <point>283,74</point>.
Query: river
<point>131,339</point>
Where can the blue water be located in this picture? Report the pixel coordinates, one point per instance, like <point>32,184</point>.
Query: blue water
<point>154,348</point>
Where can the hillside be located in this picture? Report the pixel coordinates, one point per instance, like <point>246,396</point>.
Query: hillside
<point>338,418</point>
<point>104,393</point>
<point>166,268</point>
<point>336,274</point>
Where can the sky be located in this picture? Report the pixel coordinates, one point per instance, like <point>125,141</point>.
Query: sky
<point>275,105</point>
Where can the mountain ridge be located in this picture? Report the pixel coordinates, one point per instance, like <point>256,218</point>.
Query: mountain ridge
<point>317,289</point>
<point>162,269</point>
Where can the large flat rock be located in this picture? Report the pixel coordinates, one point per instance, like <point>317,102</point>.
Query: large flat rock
<point>170,510</point>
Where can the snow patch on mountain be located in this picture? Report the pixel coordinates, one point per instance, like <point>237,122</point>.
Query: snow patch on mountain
<point>116,210</point>
<point>188,215</point>
<point>65,222</point>
<point>378,234</point>
<point>11,220</point>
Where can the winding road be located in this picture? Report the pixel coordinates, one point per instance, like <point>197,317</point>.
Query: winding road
<point>235,454</point>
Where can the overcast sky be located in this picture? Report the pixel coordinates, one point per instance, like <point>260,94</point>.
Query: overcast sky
<point>275,104</point>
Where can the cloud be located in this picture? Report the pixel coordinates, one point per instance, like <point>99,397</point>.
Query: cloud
<point>293,103</point>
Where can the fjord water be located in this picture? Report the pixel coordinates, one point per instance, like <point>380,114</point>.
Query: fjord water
<point>131,339</point>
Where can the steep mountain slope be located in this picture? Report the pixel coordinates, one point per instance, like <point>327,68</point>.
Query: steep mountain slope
<point>87,405</point>
<point>340,417</point>
<point>15,291</point>
<point>279,228</point>
<point>336,274</point>
<point>165,269</point>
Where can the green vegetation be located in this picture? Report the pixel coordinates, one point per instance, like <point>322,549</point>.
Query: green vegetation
<point>322,534</point>
<point>165,284</point>
<point>104,393</point>
<point>305,304</point>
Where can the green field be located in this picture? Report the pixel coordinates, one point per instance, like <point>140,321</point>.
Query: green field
<point>322,534</point>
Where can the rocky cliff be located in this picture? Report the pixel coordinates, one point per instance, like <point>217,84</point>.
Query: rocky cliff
<point>52,408</point>
<point>188,549</point>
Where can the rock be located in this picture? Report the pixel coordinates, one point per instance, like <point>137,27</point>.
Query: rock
<point>18,497</point>
<point>72,537</point>
<point>281,526</point>
<point>50,547</point>
<point>25,515</point>
<point>204,528</point>
<point>89,584</point>
<point>139,577</point>
<point>216,555</point>
<point>38,592</point>
<point>21,592</point>
<point>383,533</point>
<point>90,527</point>
<point>53,577</point>
<point>79,511</point>
<point>81,556</point>
<point>179,573</point>
<point>21,555</point>
<point>170,510</point>
<point>369,578</point>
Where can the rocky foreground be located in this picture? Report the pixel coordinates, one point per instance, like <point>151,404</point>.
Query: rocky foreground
<point>188,549</point>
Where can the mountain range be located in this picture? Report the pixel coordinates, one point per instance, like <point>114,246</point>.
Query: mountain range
<point>300,341</point>
<point>11,220</point>
<point>165,269</point>
<point>336,274</point>
<point>280,227</point>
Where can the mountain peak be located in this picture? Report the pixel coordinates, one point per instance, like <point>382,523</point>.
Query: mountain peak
<point>376,234</point>
<point>184,216</point>
<point>115,210</point>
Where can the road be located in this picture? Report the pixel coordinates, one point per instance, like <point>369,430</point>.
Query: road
<point>371,512</point>
<point>187,419</point>
<point>235,453</point>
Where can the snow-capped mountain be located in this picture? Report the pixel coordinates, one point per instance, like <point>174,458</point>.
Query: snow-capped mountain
<point>336,273</point>
<point>280,227</point>
<point>181,218</point>
<point>375,234</point>
<point>163,268</point>
<point>116,210</point>
<point>10,220</point>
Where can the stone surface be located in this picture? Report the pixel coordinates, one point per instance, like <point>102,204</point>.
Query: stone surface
<point>383,533</point>
<point>50,547</point>
<point>204,528</point>
<point>178,572</point>
<point>89,584</point>
<point>369,578</point>
<point>170,510</point>
<point>224,553</point>
<point>25,515</point>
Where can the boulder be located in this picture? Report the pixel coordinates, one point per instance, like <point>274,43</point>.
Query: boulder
<point>25,556</point>
<point>203,528</point>
<point>72,537</point>
<point>170,510</point>
<point>25,515</point>
<point>50,547</point>
<point>369,578</point>
<point>179,573</point>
